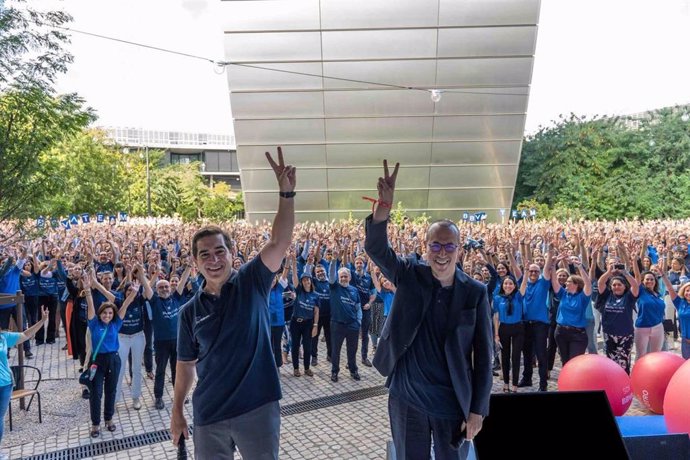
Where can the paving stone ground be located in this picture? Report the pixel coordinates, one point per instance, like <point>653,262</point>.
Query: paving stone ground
<point>356,430</point>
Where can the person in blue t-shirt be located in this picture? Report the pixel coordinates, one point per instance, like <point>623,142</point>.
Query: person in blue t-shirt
<point>305,320</point>
<point>104,328</point>
<point>7,341</point>
<point>616,304</point>
<point>132,343</point>
<point>649,327</point>
<point>360,278</point>
<point>346,319</point>
<point>536,300</point>
<point>386,292</point>
<point>322,289</point>
<point>571,332</point>
<point>508,308</point>
<point>29,285</point>
<point>682,303</point>
<point>276,310</point>
<point>48,296</point>
<point>225,338</point>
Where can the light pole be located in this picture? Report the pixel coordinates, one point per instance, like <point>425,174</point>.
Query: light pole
<point>129,185</point>
<point>148,183</point>
<point>148,180</point>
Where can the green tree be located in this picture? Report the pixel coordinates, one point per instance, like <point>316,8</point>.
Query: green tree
<point>33,118</point>
<point>607,168</point>
<point>87,176</point>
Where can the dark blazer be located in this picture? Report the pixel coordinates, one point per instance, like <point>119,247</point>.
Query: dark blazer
<point>469,344</point>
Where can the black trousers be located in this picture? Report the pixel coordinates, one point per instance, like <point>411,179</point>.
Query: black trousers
<point>535,344</point>
<point>413,430</point>
<point>106,378</point>
<point>340,333</point>
<point>166,351</point>
<point>50,302</point>
<point>572,342</point>
<point>551,346</point>
<point>33,312</point>
<point>325,324</point>
<point>148,348</point>
<point>276,337</point>
<point>79,345</point>
<point>62,307</point>
<point>5,315</point>
<point>366,323</point>
<point>300,331</point>
<point>512,337</point>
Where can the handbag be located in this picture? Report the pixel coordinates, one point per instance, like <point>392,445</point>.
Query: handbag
<point>87,376</point>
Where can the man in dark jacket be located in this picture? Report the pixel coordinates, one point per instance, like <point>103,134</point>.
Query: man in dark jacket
<point>436,345</point>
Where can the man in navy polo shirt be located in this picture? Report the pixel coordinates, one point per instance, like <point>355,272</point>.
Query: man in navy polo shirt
<point>225,336</point>
<point>165,308</point>
<point>323,292</point>
<point>346,320</point>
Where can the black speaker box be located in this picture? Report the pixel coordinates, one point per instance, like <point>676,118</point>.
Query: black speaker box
<point>659,447</point>
<point>550,425</point>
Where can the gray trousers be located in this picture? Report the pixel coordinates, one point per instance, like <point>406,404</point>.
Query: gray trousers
<point>256,434</point>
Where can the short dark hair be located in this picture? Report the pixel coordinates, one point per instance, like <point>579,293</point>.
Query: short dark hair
<point>210,230</point>
<point>105,305</point>
<point>578,281</point>
<point>447,223</point>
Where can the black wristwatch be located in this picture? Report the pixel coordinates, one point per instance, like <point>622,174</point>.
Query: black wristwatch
<point>287,194</point>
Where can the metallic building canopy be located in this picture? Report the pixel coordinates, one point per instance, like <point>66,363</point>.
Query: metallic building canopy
<point>460,153</point>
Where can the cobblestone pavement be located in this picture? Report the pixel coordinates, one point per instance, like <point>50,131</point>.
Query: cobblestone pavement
<point>355,430</point>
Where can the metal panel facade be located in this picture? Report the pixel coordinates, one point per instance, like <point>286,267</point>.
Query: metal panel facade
<point>460,153</point>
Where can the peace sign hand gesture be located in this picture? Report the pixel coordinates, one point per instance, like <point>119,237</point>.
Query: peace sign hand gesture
<point>386,188</point>
<point>386,184</point>
<point>286,174</point>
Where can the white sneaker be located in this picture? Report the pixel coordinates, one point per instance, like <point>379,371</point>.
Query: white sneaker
<point>136,404</point>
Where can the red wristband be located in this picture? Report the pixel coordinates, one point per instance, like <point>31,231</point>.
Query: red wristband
<point>374,201</point>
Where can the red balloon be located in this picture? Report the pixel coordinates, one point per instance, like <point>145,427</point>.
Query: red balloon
<point>596,372</point>
<point>677,401</point>
<point>650,377</point>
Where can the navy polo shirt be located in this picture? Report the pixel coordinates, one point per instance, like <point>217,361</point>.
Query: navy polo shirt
<point>571,310</point>
<point>501,306</point>
<point>106,267</point>
<point>345,306</point>
<point>98,328</point>
<point>536,300</point>
<point>421,377</point>
<point>230,338</point>
<point>363,284</point>
<point>165,315</point>
<point>322,289</point>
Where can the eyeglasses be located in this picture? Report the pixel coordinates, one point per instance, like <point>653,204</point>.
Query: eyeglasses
<point>534,271</point>
<point>436,247</point>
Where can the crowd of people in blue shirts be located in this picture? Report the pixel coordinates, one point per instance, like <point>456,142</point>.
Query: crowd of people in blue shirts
<point>554,289</point>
